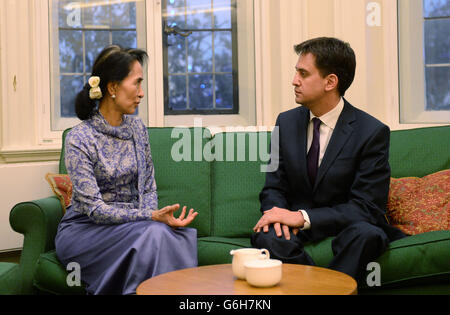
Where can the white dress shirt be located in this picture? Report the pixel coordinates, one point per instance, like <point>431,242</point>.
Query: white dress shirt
<point>329,121</point>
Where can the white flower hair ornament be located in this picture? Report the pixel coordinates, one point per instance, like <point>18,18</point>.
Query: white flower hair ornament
<point>95,93</point>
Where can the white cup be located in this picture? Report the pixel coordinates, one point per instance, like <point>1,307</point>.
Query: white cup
<point>263,273</point>
<point>240,256</point>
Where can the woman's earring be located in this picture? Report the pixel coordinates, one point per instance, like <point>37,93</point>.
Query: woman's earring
<point>113,96</point>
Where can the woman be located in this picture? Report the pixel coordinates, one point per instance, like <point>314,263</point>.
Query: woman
<point>113,229</point>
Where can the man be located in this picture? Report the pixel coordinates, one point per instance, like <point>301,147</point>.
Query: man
<point>333,175</point>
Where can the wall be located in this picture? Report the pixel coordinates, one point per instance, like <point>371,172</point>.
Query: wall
<point>20,182</point>
<point>288,22</point>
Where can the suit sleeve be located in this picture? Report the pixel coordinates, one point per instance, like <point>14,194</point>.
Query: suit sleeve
<point>276,186</point>
<point>368,195</point>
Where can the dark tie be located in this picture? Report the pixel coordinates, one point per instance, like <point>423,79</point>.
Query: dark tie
<point>313,154</point>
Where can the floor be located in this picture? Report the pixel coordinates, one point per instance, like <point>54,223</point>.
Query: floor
<point>13,256</point>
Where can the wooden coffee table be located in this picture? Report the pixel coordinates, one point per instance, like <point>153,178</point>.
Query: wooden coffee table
<point>219,280</point>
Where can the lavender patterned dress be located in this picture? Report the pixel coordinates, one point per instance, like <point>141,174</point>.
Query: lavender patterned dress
<point>108,229</point>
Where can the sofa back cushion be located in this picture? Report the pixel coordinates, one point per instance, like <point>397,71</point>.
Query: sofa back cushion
<point>62,164</point>
<point>182,179</point>
<point>237,180</point>
<point>419,152</point>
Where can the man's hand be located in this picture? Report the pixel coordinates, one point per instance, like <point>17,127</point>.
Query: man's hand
<point>165,215</point>
<point>282,220</point>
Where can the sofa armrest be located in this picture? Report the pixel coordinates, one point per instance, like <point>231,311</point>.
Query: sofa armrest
<point>38,221</point>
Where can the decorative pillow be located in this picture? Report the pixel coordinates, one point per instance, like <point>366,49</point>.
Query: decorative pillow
<point>419,205</point>
<point>62,187</point>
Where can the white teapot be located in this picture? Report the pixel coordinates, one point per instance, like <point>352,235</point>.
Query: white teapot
<point>243,255</point>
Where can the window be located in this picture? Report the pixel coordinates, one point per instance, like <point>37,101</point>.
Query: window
<point>436,15</point>
<point>200,57</point>
<point>79,31</point>
<point>424,61</point>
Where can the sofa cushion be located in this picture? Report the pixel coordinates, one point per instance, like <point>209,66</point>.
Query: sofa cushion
<point>61,186</point>
<point>417,259</point>
<point>419,152</point>
<point>51,276</point>
<point>237,180</point>
<point>183,179</point>
<point>214,250</point>
<point>9,278</point>
<point>418,205</point>
<point>62,164</point>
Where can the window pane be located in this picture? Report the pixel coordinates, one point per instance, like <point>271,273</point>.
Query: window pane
<point>95,42</point>
<point>437,43</point>
<point>177,92</point>
<point>123,15</point>
<point>436,8</point>
<point>84,28</point>
<point>200,52</point>
<point>200,92</point>
<point>204,57</point>
<point>198,14</point>
<point>438,88</point>
<point>69,13</point>
<point>175,13</point>
<point>222,13</point>
<point>71,51</point>
<point>126,39</point>
<point>177,54</point>
<point>95,15</point>
<point>223,51</point>
<point>70,86</point>
<point>224,95</point>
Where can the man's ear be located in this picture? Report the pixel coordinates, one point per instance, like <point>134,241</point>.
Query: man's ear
<point>332,82</point>
<point>112,88</point>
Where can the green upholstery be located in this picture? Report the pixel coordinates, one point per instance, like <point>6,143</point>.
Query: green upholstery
<point>183,182</point>
<point>419,152</point>
<point>216,250</point>
<point>51,276</point>
<point>9,273</point>
<point>236,183</point>
<point>417,259</point>
<point>38,221</point>
<point>62,164</point>
<point>223,185</point>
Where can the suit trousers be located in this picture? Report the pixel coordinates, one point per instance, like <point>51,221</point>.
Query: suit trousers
<point>353,248</point>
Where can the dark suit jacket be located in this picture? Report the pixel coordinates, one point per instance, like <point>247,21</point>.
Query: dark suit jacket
<point>352,183</point>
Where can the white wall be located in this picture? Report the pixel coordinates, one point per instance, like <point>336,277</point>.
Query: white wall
<point>289,22</point>
<point>20,182</point>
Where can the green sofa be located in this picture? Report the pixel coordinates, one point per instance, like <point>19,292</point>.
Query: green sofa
<point>222,182</point>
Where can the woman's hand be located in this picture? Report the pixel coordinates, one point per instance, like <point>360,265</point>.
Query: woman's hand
<point>165,215</point>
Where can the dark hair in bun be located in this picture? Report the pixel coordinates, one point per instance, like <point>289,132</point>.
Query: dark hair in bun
<point>113,64</point>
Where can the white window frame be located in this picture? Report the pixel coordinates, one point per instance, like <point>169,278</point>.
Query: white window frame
<point>412,90</point>
<point>47,68</point>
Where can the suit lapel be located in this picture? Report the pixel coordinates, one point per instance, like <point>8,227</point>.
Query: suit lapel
<point>301,146</point>
<point>341,134</point>
<point>297,141</point>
